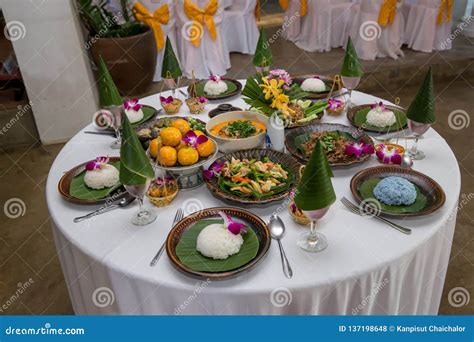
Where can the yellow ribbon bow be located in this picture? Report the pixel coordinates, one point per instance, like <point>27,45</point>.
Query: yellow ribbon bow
<point>257,10</point>
<point>387,12</point>
<point>445,11</point>
<point>303,6</point>
<point>199,17</point>
<point>160,16</point>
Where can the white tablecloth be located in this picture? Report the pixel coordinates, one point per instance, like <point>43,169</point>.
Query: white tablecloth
<point>368,268</point>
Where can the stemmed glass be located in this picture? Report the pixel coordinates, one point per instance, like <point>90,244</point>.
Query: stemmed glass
<point>172,83</point>
<point>313,241</point>
<point>350,83</point>
<point>116,120</point>
<point>418,129</point>
<point>144,216</point>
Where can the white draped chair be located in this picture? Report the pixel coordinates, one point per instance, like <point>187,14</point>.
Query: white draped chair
<point>423,31</point>
<point>372,39</point>
<point>210,56</point>
<point>292,21</point>
<point>240,27</point>
<point>324,26</point>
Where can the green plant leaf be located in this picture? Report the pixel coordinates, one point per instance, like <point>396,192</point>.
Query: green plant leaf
<point>360,119</point>
<point>351,66</point>
<point>422,108</point>
<point>191,258</point>
<point>170,67</point>
<point>148,113</point>
<point>263,54</point>
<point>366,191</point>
<point>108,92</point>
<point>80,190</point>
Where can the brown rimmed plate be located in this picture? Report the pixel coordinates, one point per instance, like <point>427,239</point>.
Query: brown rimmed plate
<point>149,114</point>
<point>328,81</point>
<point>427,186</point>
<point>226,95</point>
<point>65,182</point>
<point>288,162</point>
<point>251,220</point>
<point>357,116</point>
<point>291,138</point>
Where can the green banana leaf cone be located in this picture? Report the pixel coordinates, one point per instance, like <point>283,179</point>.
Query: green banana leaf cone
<point>315,190</point>
<point>108,92</point>
<point>135,167</point>
<point>170,67</point>
<point>422,108</point>
<point>351,66</point>
<point>263,54</point>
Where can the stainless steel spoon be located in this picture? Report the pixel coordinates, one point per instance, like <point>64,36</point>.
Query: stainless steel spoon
<point>122,203</point>
<point>277,229</point>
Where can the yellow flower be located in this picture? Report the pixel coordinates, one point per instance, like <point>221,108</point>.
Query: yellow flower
<point>280,102</point>
<point>271,88</point>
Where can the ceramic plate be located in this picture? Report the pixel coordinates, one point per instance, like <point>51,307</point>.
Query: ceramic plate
<point>259,228</point>
<point>234,88</point>
<point>357,117</point>
<point>322,95</point>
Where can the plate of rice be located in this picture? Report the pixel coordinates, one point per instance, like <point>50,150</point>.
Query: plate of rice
<point>378,118</point>
<point>200,245</point>
<point>396,192</point>
<point>223,89</point>
<point>317,86</point>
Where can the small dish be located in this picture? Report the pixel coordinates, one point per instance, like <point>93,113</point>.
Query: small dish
<point>234,88</point>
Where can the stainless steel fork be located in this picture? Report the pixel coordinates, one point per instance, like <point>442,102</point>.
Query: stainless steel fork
<point>178,217</point>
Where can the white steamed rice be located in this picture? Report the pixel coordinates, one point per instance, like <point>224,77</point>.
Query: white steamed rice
<point>134,115</point>
<point>313,85</point>
<point>215,88</point>
<point>381,118</point>
<point>105,177</point>
<point>217,242</point>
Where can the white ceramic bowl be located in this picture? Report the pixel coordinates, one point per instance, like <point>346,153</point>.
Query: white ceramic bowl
<point>227,145</point>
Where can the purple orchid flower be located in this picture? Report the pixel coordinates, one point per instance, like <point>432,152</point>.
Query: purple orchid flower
<point>281,74</point>
<point>215,78</point>
<point>388,155</point>
<point>201,99</point>
<point>378,106</point>
<point>192,139</point>
<point>335,104</point>
<point>132,104</point>
<point>359,148</point>
<point>234,227</point>
<point>214,170</point>
<point>166,100</point>
<point>96,164</point>
<point>160,181</point>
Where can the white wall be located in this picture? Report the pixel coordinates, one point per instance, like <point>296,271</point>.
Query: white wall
<point>54,66</point>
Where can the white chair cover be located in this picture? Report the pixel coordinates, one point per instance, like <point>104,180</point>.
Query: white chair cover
<point>421,31</point>
<point>210,57</point>
<point>324,26</point>
<point>292,21</point>
<point>369,38</point>
<point>240,27</point>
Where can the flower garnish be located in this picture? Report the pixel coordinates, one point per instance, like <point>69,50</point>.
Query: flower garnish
<point>215,78</point>
<point>132,104</point>
<point>234,227</point>
<point>192,139</point>
<point>166,100</point>
<point>160,181</point>
<point>359,148</point>
<point>388,154</point>
<point>97,163</point>
<point>282,75</point>
<point>214,170</point>
<point>201,99</point>
<point>335,104</point>
<point>380,107</point>
<point>271,87</point>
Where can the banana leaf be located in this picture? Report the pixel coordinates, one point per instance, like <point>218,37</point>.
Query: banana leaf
<point>190,257</point>
<point>80,190</point>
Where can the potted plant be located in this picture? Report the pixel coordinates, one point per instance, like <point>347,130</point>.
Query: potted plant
<point>127,46</point>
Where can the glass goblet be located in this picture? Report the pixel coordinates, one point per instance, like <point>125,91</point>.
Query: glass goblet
<point>172,83</point>
<point>417,129</point>
<point>350,83</point>
<point>313,241</point>
<point>117,115</point>
<point>144,216</point>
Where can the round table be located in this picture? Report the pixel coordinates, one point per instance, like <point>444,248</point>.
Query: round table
<point>368,268</point>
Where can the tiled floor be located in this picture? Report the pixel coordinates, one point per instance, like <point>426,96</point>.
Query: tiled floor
<point>27,253</point>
